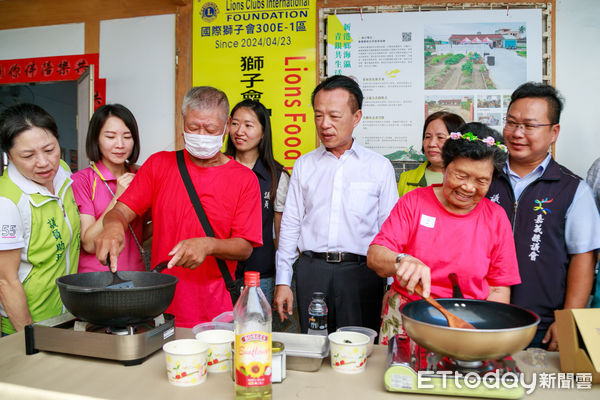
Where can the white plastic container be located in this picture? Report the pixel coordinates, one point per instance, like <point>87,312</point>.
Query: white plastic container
<point>361,329</point>
<point>219,349</point>
<point>348,352</point>
<point>186,361</point>
<point>207,326</point>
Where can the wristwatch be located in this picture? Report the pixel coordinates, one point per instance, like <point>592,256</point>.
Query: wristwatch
<point>400,256</point>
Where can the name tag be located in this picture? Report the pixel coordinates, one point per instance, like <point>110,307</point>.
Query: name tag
<point>427,221</point>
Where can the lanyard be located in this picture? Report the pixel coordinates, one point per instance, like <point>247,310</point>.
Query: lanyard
<point>93,165</point>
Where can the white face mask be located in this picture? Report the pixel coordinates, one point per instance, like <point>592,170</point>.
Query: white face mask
<point>203,146</point>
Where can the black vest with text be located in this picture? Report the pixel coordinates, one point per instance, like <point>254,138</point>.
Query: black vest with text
<point>262,258</point>
<point>538,221</point>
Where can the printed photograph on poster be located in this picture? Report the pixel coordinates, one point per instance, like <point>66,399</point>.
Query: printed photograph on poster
<point>492,119</point>
<point>458,104</point>
<point>475,56</point>
<point>412,64</point>
<point>488,102</point>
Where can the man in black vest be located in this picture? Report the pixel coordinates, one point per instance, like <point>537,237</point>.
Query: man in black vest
<point>555,220</point>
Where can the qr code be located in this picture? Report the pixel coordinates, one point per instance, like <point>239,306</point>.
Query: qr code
<point>406,36</point>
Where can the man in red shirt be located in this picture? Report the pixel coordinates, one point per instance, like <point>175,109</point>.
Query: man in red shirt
<point>229,193</point>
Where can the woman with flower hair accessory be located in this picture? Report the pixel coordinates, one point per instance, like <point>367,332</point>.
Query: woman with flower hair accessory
<point>436,130</point>
<point>449,227</point>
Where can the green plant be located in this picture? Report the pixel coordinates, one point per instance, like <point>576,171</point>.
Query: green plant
<point>454,58</point>
<point>409,154</point>
<point>467,68</point>
<point>438,59</point>
<point>431,82</point>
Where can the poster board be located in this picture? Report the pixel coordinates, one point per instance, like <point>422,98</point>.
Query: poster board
<point>263,51</point>
<point>412,60</point>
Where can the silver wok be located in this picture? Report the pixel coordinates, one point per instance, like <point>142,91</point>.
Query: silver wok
<point>502,329</point>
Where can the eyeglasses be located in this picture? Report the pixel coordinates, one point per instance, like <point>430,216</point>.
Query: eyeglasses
<point>511,125</point>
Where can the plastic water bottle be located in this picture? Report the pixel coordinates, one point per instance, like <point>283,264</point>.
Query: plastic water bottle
<point>317,315</point>
<point>252,326</point>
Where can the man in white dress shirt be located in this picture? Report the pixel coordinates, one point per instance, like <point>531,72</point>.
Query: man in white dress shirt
<point>338,197</point>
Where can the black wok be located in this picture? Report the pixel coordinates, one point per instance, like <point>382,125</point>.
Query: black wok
<point>501,329</point>
<point>85,295</point>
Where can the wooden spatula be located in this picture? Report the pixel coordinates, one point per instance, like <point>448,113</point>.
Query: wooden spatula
<point>453,320</point>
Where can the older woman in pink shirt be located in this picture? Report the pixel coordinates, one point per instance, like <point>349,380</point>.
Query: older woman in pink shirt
<point>113,146</point>
<point>450,227</point>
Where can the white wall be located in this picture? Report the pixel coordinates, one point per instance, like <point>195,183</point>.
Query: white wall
<point>577,63</point>
<point>137,58</point>
<point>43,41</point>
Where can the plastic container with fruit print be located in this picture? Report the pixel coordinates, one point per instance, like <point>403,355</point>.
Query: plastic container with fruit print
<point>348,351</point>
<point>252,328</point>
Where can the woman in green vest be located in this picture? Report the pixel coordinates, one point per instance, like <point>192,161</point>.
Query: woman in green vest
<point>436,130</point>
<point>39,221</point>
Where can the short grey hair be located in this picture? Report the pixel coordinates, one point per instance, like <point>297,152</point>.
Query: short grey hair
<point>205,97</point>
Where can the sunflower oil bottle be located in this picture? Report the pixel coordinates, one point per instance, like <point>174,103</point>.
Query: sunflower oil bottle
<point>252,326</point>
